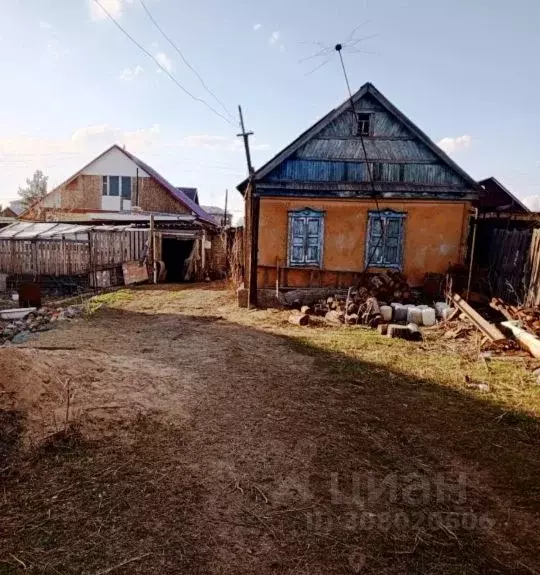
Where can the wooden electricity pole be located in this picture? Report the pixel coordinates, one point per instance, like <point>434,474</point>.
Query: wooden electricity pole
<point>253,210</point>
<point>225,212</point>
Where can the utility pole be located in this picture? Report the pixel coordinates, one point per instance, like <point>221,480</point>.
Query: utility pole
<point>225,213</point>
<point>226,234</point>
<point>245,135</point>
<point>252,218</point>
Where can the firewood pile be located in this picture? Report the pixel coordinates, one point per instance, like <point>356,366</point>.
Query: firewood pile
<point>365,304</point>
<point>386,286</point>
<point>357,307</point>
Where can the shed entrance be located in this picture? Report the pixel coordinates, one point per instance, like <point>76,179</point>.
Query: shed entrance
<point>174,254</point>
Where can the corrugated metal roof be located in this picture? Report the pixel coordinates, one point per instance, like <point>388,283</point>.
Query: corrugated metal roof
<point>44,231</point>
<point>191,193</point>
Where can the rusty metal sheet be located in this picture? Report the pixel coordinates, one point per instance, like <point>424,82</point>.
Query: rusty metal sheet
<point>134,272</point>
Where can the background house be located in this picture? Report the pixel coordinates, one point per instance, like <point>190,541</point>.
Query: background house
<point>125,210</point>
<point>498,198</point>
<point>220,217</point>
<point>114,183</point>
<point>316,217</point>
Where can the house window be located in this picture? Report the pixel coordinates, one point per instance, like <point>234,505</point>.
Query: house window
<point>117,186</point>
<point>126,188</point>
<point>363,126</point>
<point>384,246</point>
<point>114,186</point>
<point>306,233</point>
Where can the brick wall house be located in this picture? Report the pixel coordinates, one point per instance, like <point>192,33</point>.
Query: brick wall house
<point>116,182</point>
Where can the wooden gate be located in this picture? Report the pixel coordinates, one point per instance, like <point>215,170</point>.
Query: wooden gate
<point>509,264</point>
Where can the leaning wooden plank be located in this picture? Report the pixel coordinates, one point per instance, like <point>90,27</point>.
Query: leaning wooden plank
<point>526,341</point>
<point>488,329</point>
<point>498,304</point>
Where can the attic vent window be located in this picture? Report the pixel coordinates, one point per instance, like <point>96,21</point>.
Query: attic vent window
<point>363,126</point>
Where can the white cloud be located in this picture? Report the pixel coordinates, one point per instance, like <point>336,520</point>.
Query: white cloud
<point>164,61</point>
<point>274,37</point>
<point>93,138</point>
<point>45,25</point>
<point>114,7</point>
<point>450,145</point>
<point>257,27</point>
<point>60,157</point>
<point>129,74</point>
<point>98,137</point>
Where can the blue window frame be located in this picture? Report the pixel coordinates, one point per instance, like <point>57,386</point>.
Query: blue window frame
<point>306,233</point>
<point>384,246</point>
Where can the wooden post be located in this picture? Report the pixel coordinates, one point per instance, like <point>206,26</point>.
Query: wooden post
<point>277,278</point>
<point>255,208</point>
<point>203,253</point>
<point>473,246</point>
<point>152,248</point>
<point>136,202</point>
<point>226,235</point>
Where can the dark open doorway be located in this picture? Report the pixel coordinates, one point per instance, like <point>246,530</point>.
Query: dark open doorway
<point>174,254</point>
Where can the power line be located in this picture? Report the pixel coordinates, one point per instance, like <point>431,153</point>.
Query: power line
<point>368,165</point>
<point>184,59</point>
<point>150,55</point>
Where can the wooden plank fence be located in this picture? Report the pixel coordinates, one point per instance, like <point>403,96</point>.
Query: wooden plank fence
<point>533,292</point>
<point>63,257</point>
<point>509,264</point>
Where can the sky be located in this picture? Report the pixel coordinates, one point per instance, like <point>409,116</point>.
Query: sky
<point>465,71</point>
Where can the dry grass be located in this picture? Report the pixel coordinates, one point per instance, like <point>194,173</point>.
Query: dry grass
<point>282,450</point>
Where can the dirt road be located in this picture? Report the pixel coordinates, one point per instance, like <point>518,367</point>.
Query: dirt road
<point>216,440</point>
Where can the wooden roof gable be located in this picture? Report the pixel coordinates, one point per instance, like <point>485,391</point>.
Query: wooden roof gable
<point>314,137</point>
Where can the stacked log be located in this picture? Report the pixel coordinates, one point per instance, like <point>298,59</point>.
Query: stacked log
<point>359,305</point>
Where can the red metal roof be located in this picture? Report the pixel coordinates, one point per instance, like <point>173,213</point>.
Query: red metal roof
<point>175,192</point>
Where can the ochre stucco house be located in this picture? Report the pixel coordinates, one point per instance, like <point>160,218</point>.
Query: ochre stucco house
<point>322,218</point>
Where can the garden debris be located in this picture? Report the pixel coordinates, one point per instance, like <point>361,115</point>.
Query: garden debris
<point>18,331</point>
<point>527,316</point>
<point>16,313</point>
<point>488,329</point>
